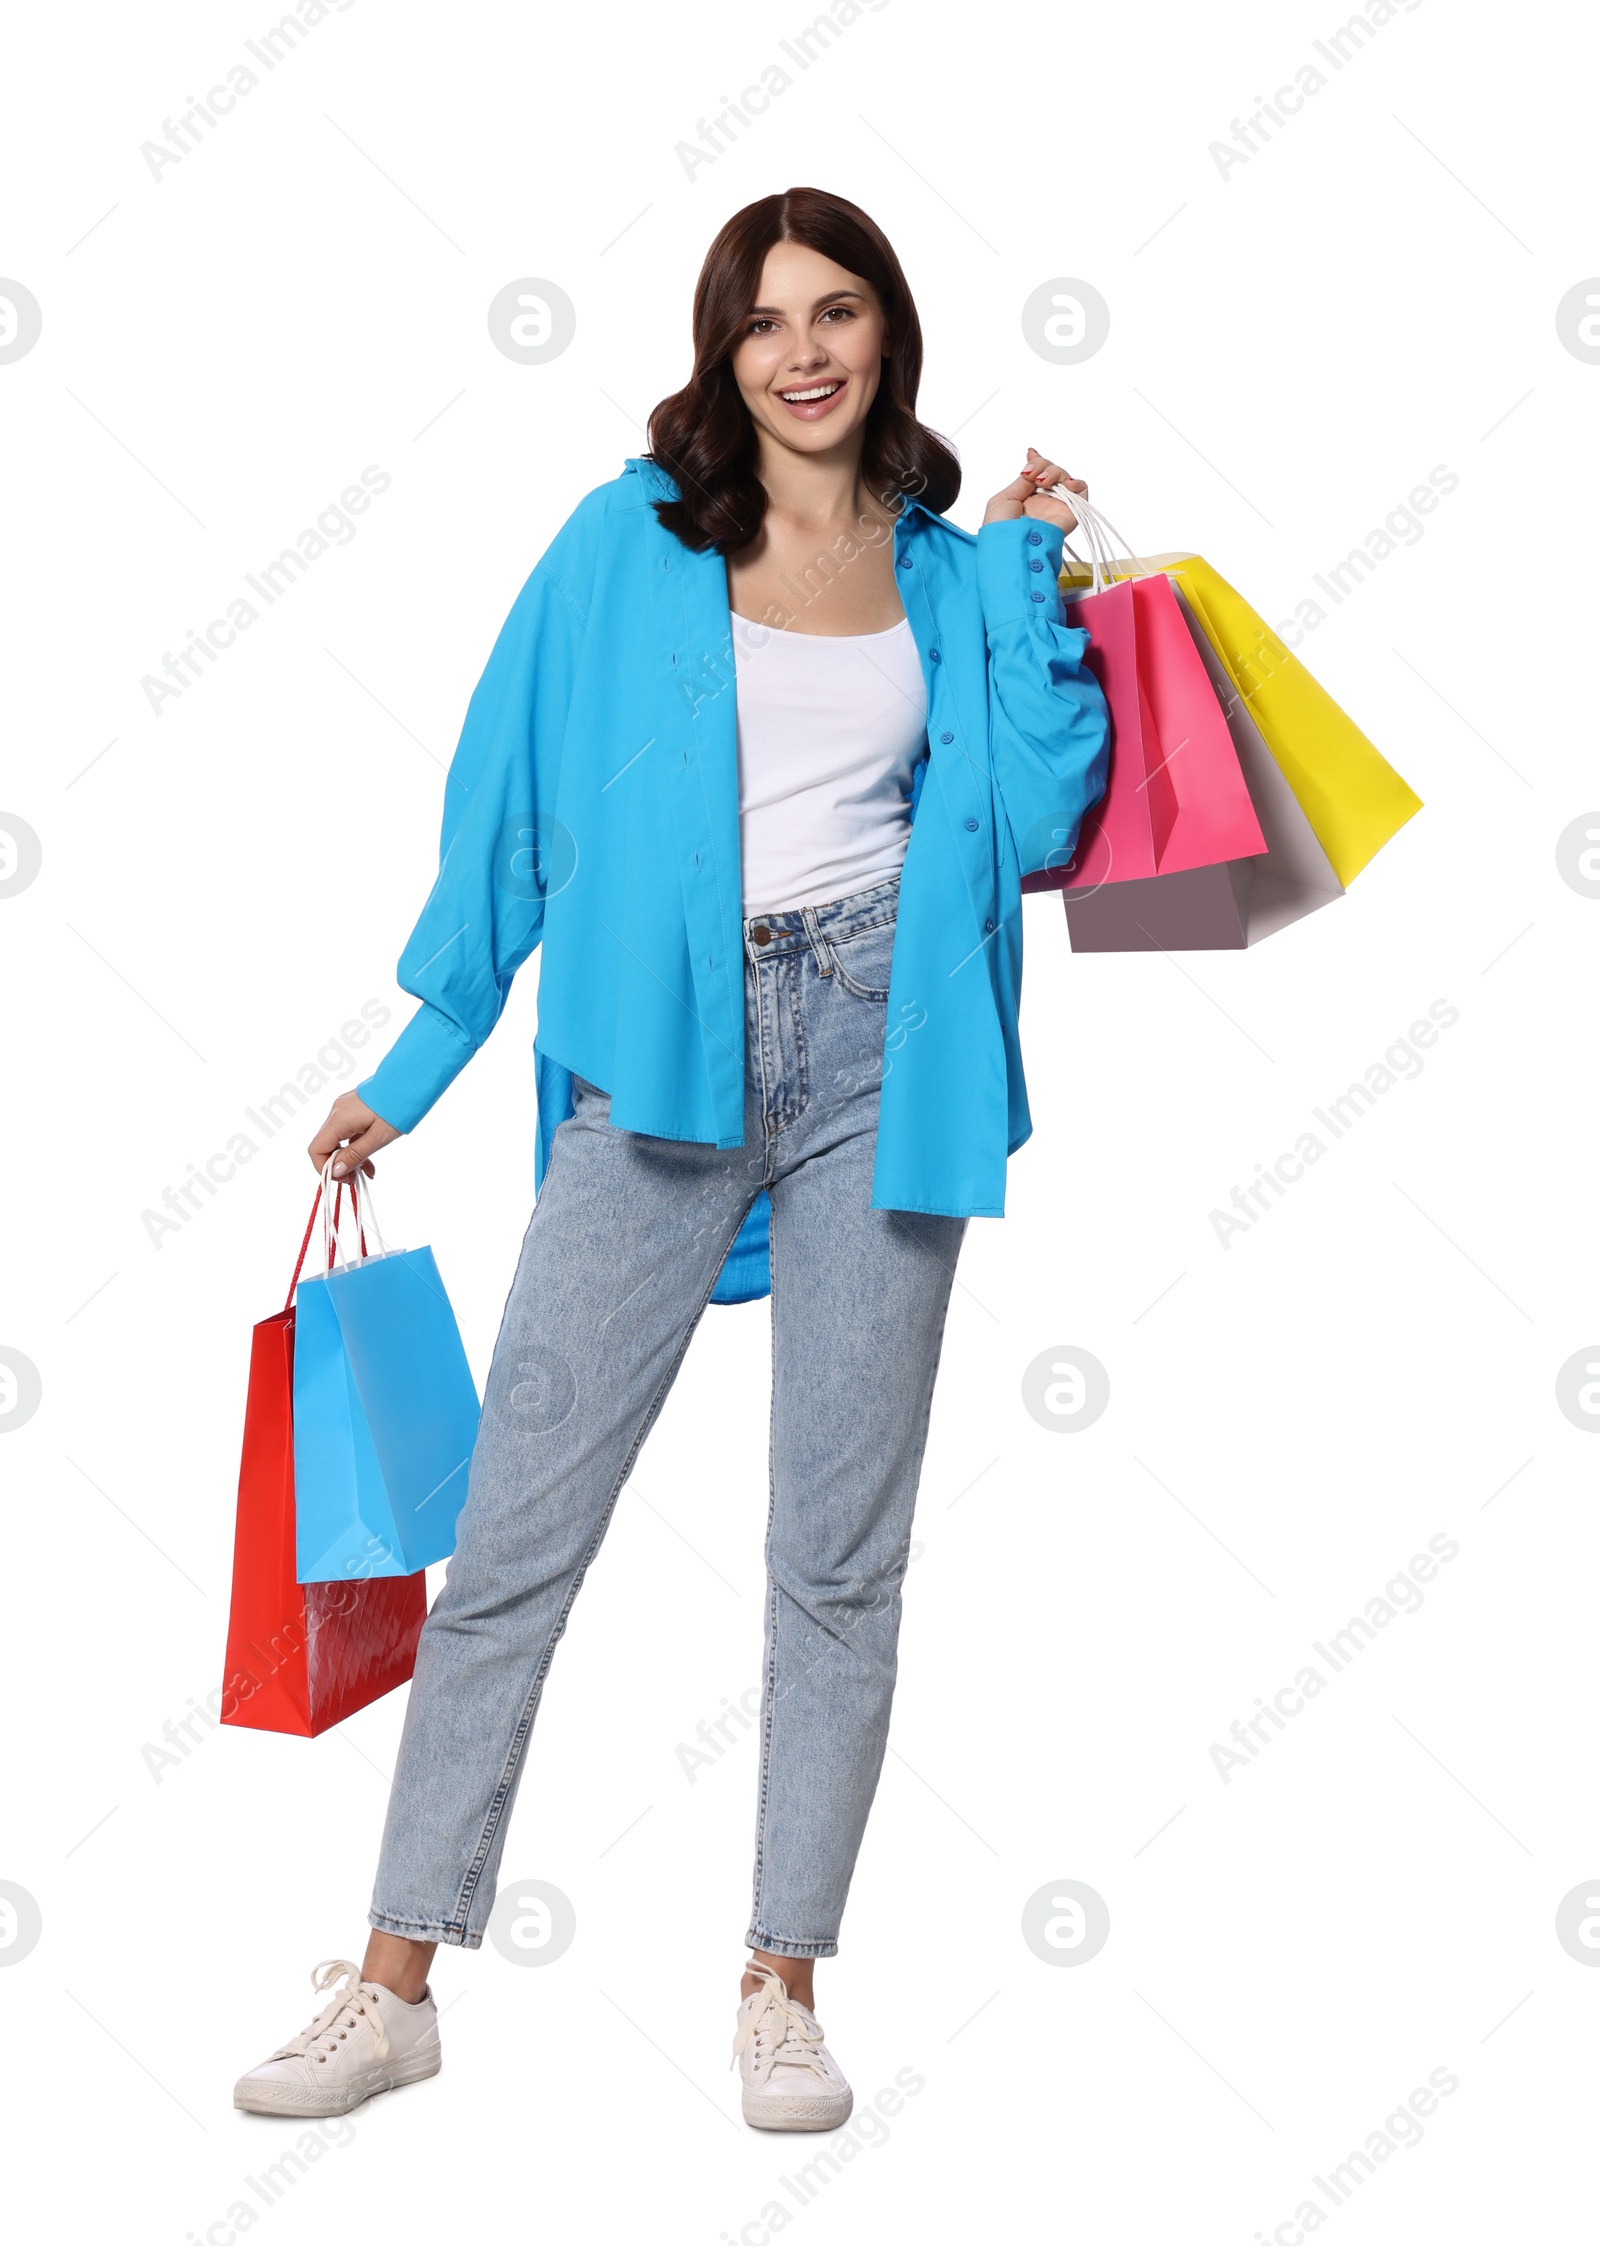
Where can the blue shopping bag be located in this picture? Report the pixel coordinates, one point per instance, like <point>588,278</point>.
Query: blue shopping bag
<point>385,1410</point>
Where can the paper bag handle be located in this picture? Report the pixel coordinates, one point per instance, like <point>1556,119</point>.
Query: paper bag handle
<point>330,1235</point>
<point>305,1239</point>
<point>1103,539</point>
<point>360,1202</point>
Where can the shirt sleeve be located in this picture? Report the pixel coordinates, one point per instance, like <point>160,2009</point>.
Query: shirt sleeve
<point>501,851</point>
<point>1049,729</point>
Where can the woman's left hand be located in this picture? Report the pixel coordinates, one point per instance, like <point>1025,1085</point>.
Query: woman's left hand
<point>1027,495</point>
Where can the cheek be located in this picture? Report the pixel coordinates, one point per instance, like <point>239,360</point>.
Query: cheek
<point>752,368</point>
<point>862,349</point>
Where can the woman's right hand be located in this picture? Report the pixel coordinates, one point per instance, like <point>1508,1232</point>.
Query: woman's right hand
<point>352,1134</point>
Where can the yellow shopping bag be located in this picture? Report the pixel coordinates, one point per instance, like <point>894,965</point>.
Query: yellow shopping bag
<point>1353,799</point>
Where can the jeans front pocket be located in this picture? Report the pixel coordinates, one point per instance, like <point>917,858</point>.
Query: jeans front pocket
<point>862,961</point>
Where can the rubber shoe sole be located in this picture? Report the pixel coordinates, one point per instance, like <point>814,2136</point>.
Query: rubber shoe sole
<point>763,2110</point>
<point>293,2102</point>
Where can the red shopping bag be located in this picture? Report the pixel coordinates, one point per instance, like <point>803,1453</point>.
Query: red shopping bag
<point>301,1656</point>
<point>1175,796</point>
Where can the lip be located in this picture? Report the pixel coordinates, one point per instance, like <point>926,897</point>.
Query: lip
<point>819,408</point>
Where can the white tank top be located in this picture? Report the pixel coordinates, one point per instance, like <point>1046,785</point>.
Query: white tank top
<point>830,735</point>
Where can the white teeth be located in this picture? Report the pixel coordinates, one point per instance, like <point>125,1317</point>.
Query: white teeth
<point>804,397</point>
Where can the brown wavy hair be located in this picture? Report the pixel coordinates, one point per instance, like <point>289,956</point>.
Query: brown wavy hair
<point>703,435</point>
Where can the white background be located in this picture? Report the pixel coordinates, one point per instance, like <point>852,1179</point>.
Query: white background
<point>1292,349</point>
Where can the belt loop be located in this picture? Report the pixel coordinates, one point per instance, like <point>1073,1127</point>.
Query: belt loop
<point>818,941</point>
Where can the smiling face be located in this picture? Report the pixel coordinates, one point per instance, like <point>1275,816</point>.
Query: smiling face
<point>812,351</point>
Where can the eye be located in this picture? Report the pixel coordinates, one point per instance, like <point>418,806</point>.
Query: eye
<point>755,326</point>
<point>845,311</point>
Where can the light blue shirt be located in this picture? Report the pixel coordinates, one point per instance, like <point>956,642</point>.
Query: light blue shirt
<point>592,805</point>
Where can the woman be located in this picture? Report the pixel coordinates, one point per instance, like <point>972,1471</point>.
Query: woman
<point>760,755</point>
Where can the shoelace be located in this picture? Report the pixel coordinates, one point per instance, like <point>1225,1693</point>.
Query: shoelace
<point>357,2000</point>
<point>783,2031</point>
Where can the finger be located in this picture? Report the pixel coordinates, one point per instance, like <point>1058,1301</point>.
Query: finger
<point>326,1142</point>
<point>1051,471</point>
<point>359,1151</point>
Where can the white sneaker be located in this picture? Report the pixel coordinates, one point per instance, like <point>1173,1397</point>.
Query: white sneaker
<point>365,2040</point>
<point>791,2079</point>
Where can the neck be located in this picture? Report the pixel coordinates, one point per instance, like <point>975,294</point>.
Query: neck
<point>814,491</point>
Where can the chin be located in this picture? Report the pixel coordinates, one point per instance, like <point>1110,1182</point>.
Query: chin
<point>820,436</point>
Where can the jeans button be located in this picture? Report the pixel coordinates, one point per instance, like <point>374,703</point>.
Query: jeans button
<point>761,933</point>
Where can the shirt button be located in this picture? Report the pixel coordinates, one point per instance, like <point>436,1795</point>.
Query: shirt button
<point>1038,596</point>
<point>988,927</point>
<point>933,655</point>
<point>1034,539</point>
<point>761,934</point>
<point>947,736</point>
<point>971,825</point>
<point>1036,565</point>
<point>905,561</point>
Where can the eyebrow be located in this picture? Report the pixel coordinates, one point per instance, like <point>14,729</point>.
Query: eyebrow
<point>774,311</point>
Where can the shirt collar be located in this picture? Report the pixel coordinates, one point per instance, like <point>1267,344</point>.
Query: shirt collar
<point>655,479</point>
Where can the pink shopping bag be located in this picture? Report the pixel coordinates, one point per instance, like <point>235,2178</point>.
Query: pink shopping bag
<point>1175,796</point>
<point>1217,908</point>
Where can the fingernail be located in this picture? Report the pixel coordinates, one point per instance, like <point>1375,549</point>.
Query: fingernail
<point>339,1170</point>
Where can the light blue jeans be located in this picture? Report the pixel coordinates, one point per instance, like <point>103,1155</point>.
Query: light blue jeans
<point>623,1249</point>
